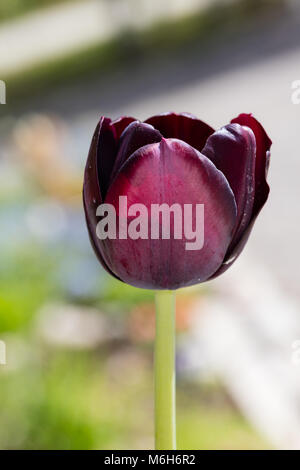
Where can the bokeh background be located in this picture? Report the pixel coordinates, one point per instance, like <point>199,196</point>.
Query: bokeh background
<point>79,345</point>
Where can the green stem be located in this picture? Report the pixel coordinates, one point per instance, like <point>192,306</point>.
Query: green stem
<point>165,424</point>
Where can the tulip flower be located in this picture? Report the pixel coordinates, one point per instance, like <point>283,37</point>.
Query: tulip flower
<point>178,161</point>
<point>176,158</point>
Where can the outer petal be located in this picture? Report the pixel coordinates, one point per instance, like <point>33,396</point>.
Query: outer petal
<point>171,172</point>
<point>91,188</point>
<point>234,253</point>
<point>232,149</point>
<point>263,144</point>
<point>136,135</point>
<point>106,141</point>
<point>182,126</point>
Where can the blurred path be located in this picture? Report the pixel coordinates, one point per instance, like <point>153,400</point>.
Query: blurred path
<point>69,27</point>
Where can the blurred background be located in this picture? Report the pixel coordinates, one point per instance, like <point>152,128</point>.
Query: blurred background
<point>79,345</point>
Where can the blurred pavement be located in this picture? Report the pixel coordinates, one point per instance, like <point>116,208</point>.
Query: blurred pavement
<point>69,27</point>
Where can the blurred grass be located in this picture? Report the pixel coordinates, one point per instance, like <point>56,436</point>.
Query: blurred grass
<point>197,30</point>
<point>10,9</point>
<point>118,293</point>
<point>93,401</point>
<point>215,429</point>
<point>25,284</point>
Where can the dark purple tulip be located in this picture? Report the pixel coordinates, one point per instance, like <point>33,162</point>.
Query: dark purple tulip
<point>177,159</point>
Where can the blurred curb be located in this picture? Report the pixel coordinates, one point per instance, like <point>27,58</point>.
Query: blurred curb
<point>30,65</point>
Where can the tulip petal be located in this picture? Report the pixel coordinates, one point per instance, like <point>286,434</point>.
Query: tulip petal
<point>136,135</point>
<point>105,143</point>
<point>232,150</point>
<point>107,147</point>
<point>182,126</point>
<point>171,172</point>
<point>263,144</point>
<point>234,253</point>
<point>120,124</point>
<point>91,189</point>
